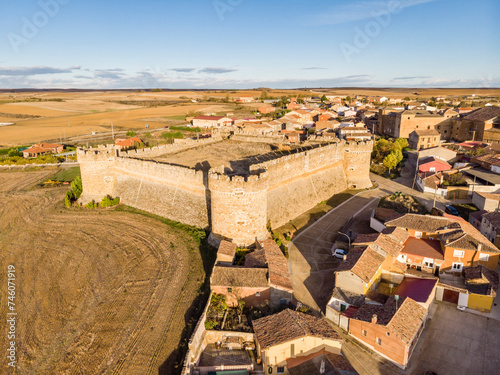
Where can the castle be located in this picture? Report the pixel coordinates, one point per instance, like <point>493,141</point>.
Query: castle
<point>235,207</point>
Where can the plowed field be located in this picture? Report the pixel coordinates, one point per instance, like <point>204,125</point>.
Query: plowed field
<point>97,291</point>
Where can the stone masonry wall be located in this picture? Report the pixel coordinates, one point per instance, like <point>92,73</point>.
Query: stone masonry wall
<point>235,207</point>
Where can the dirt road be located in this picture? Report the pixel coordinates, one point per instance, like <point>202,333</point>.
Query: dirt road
<point>97,292</point>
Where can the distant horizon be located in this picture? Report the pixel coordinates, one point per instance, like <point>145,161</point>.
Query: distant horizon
<point>250,88</point>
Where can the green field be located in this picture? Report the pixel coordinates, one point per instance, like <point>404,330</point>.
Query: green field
<point>67,175</point>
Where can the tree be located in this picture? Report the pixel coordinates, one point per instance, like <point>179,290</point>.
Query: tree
<point>263,95</point>
<point>407,99</point>
<point>400,143</point>
<point>390,161</point>
<point>348,99</point>
<point>324,98</point>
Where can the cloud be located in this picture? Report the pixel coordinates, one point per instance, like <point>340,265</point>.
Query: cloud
<point>33,70</point>
<point>183,70</point>
<point>114,73</point>
<point>361,10</point>
<point>314,68</point>
<point>217,70</point>
<point>409,78</point>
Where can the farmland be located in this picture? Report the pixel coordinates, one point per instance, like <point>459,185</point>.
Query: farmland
<point>97,291</point>
<point>66,114</point>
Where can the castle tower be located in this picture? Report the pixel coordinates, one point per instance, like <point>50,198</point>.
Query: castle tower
<point>357,157</point>
<point>238,207</point>
<point>96,166</point>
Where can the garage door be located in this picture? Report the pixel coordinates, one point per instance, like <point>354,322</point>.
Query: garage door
<point>450,296</point>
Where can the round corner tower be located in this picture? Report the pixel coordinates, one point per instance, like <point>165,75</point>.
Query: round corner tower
<point>238,207</point>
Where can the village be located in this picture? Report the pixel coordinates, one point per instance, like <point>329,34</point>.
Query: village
<point>360,284</point>
<point>388,278</point>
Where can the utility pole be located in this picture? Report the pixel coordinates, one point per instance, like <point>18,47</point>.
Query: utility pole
<point>112,131</point>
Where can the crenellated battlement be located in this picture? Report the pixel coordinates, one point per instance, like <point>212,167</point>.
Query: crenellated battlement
<point>278,187</point>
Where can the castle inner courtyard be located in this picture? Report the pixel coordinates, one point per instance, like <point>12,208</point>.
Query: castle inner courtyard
<point>235,156</point>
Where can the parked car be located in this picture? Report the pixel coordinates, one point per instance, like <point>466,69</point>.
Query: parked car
<point>451,210</point>
<point>339,253</point>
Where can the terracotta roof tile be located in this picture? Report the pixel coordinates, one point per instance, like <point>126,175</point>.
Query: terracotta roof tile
<point>279,275</point>
<point>257,259</point>
<point>239,277</point>
<point>227,248</point>
<point>289,325</point>
<point>424,248</point>
<point>384,242</point>
<point>363,262</point>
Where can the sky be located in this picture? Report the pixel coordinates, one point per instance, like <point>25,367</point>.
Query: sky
<point>224,44</point>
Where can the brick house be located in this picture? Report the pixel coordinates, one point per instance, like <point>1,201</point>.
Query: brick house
<point>477,125</point>
<point>486,160</point>
<point>422,254</point>
<point>432,164</point>
<point>291,337</point>
<point>265,110</point>
<point>391,330</point>
<point>462,245</point>
<point>39,149</point>
<point>424,138</point>
<point>490,226</point>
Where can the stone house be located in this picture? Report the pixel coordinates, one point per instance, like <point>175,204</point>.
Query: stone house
<point>490,227</point>
<point>486,201</point>
<point>424,138</point>
<point>477,125</point>
<point>290,337</point>
<point>239,283</point>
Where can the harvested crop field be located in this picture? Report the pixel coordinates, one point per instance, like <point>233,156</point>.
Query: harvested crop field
<point>97,291</point>
<point>235,156</point>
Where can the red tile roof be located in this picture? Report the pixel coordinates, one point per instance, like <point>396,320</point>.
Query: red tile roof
<point>363,262</point>
<point>424,248</point>
<point>417,289</point>
<point>227,248</point>
<point>279,275</point>
<point>215,118</point>
<point>290,325</point>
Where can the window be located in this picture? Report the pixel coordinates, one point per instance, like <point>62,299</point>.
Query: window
<point>229,290</point>
<point>484,257</point>
<point>379,341</point>
<point>363,332</point>
<point>337,302</point>
<point>281,370</point>
<point>457,266</point>
<point>257,294</point>
<point>429,262</point>
<point>388,333</point>
<point>458,253</point>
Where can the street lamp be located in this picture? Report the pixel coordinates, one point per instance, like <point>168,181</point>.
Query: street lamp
<point>349,238</point>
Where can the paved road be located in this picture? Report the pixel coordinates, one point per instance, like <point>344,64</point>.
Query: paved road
<point>311,263</point>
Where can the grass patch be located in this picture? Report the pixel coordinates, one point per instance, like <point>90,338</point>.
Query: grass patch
<point>239,258</point>
<point>179,117</point>
<point>67,175</point>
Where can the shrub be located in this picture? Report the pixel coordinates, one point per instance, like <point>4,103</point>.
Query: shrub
<point>130,133</point>
<point>176,135</point>
<point>186,129</point>
<point>107,201</point>
<point>91,205</point>
<point>211,324</point>
<point>68,198</point>
<point>15,152</point>
<point>76,187</point>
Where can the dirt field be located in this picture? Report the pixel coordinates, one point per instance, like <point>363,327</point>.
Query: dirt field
<point>81,113</point>
<point>97,292</point>
<point>235,156</point>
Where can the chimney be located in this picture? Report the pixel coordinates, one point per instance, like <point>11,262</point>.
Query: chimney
<point>345,257</point>
<point>322,368</point>
<point>479,247</point>
<point>374,318</point>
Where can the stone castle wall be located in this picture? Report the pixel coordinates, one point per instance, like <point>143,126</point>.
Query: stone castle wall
<point>235,207</point>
